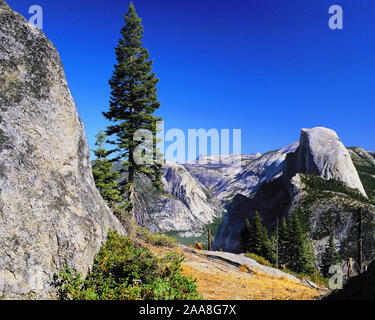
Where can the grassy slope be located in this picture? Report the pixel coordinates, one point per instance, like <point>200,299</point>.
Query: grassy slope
<point>219,280</point>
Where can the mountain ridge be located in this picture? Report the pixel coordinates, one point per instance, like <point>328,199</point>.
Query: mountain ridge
<point>215,176</point>
<point>323,198</point>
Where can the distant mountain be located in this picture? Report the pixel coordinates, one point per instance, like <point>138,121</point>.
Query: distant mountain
<point>195,194</point>
<point>223,179</point>
<point>185,204</point>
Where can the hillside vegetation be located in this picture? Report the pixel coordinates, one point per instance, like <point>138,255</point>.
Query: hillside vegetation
<point>126,270</point>
<point>365,166</point>
<point>333,208</point>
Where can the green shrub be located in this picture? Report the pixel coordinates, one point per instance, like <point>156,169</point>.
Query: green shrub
<point>258,259</point>
<point>157,239</point>
<point>123,271</point>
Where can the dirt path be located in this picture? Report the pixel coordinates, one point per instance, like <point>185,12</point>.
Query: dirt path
<point>220,280</point>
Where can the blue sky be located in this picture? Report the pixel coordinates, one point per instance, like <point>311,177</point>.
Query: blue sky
<point>264,66</point>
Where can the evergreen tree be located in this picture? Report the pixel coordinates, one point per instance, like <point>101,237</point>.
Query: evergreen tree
<point>301,255</point>
<point>259,242</point>
<point>284,243</point>
<point>330,257</point>
<point>310,258</point>
<point>245,237</point>
<point>132,104</point>
<point>257,236</point>
<point>105,178</point>
<point>267,246</point>
<point>255,239</point>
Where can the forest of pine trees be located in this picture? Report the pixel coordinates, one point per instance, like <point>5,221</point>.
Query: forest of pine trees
<point>295,249</point>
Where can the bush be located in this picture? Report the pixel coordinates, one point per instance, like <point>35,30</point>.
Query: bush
<point>157,239</point>
<point>258,259</point>
<point>123,271</point>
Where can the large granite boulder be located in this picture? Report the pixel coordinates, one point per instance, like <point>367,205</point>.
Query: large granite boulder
<point>51,214</point>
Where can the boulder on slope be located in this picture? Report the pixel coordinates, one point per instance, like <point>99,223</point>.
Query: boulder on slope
<point>51,214</point>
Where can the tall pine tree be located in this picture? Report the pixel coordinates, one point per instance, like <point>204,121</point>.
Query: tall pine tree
<point>132,105</point>
<point>301,256</point>
<point>105,178</point>
<point>259,242</point>
<point>267,251</point>
<point>330,257</point>
<point>255,239</point>
<point>257,236</point>
<point>245,236</point>
<point>284,243</point>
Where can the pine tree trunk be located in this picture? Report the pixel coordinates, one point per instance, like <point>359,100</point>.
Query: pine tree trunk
<point>360,239</point>
<point>131,181</point>
<point>131,190</point>
<point>131,230</point>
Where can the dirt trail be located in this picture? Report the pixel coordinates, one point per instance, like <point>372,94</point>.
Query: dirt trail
<point>221,280</point>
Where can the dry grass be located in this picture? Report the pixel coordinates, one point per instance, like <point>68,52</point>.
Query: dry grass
<point>218,280</point>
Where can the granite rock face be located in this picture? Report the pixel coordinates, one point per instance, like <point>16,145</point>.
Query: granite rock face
<point>51,214</point>
<point>321,152</point>
<point>185,204</point>
<point>196,193</point>
<point>272,201</point>
<point>224,179</point>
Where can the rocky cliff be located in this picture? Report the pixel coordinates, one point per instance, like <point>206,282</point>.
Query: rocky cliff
<point>51,214</point>
<point>224,180</point>
<point>185,204</point>
<point>197,192</point>
<point>321,152</point>
<point>322,179</point>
